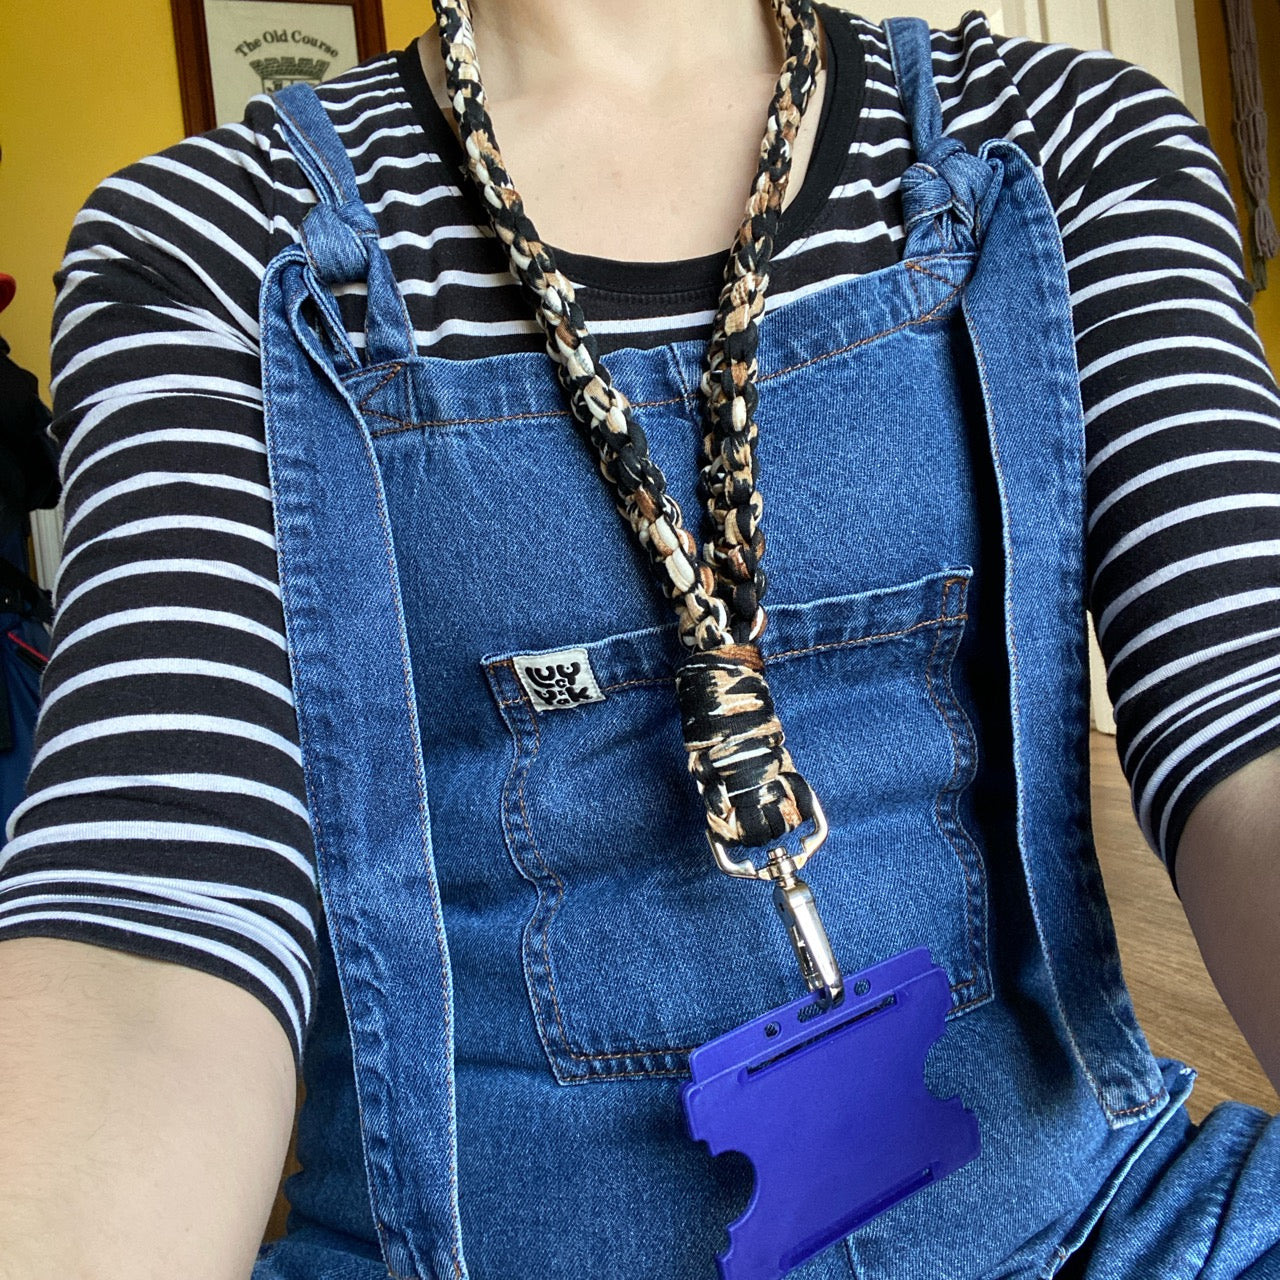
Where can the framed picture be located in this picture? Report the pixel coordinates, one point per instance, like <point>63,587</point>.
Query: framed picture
<point>228,50</point>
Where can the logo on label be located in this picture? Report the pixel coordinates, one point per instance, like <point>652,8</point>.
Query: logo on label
<point>286,69</point>
<point>558,680</point>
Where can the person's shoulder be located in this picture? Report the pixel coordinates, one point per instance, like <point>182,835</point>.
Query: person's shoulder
<point>1071,109</point>
<point>227,171</point>
<point>1044,71</point>
<point>376,80</point>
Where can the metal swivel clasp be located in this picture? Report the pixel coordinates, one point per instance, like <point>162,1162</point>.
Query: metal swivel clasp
<point>794,900</point>
<point>799,912</point>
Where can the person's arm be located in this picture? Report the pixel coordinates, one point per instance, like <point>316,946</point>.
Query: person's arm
<point>1229,879</point>
<point>147,1081</point>
<point>145,1113</point>
<point>1183,433</point>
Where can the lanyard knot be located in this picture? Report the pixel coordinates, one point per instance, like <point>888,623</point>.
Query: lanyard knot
<point>737,750</point>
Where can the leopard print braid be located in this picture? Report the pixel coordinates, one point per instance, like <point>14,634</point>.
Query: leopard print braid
<point>737,753</point>
<point>603,411</point>
<point>729,486</point>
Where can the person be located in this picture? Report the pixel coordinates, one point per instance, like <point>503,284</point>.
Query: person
<point>28,481</point>
<point>294,781</point>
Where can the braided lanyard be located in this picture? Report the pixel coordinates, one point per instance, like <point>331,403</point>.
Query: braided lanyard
<point>753,793</point>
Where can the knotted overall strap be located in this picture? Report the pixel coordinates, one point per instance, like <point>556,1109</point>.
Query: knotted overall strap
<point>340,236</point>
<point>735,741</point>
<point>945,191</point>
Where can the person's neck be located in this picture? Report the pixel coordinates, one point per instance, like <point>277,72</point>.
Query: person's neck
<point>632,44</point>
<point>631,127</point>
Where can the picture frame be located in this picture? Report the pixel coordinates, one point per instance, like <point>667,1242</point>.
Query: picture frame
<point>228,50</point>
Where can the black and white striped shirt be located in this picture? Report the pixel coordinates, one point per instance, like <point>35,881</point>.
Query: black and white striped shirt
<point>166,810</point>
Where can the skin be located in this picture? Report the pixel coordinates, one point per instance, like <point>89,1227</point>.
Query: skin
<point>144,1118</point>
<point>566,84</point>
<point>1228,869</point>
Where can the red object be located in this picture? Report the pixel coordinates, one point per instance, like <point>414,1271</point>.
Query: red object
<point>22,644</point>
<point>8,287</point>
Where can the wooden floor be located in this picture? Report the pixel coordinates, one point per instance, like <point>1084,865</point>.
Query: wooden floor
<point>1177,1003</point>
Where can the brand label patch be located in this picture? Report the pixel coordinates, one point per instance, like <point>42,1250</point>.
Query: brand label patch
<point>558,680</point>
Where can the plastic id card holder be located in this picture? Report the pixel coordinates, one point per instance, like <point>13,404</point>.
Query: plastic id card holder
<point>831,1108</point>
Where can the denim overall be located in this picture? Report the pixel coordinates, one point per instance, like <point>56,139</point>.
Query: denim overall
<point>526,934</point>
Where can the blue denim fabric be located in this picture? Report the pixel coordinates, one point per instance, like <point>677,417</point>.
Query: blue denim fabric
<point>526,934</point>
<point>19,689</point>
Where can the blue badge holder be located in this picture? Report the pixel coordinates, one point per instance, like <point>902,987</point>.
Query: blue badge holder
<point>831,1108</point>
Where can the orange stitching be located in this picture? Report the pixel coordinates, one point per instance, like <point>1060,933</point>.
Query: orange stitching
<point>915,287</point>
<point>1158,1096</point>
<point>627,684</point>
<point>933,275</point>
<point>862,342</point>
<point>383,1231</point>
<point>382,382</point>
<point>883,635</point>
<point>545,932</point>
<point>505,417</point>
<point>533,844</point>
<point>656,404</point>
<point>773,657</point>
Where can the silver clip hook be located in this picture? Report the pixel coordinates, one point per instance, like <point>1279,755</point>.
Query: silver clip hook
<point>799,912</point>
<point>794,901</point>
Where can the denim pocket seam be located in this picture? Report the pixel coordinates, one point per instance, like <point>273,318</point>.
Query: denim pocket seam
<point>938,621</point>
<point>521,766</point>
<point>870,338</point>
<point>946,802</point>
<point>561,412</point>
<point>572,1063</point>
<point>527,415</point>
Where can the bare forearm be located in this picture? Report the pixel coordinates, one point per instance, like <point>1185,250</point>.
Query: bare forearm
<point>1228,870</point>
<point>145,1111</point>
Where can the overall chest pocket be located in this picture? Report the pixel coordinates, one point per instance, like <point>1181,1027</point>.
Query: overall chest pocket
<point>637,949</point>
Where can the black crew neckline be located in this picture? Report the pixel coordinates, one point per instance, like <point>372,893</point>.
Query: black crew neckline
<point>841,108</point>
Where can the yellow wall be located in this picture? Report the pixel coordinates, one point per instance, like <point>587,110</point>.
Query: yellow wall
<point>405,20</point>
<point>85,88</point>
<point>1215,74</point>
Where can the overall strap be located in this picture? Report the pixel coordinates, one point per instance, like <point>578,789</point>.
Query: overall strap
<point>1017,308</point>
<point>912,55</point>
<point>360,745</point>
<point>944,192</point>
<point>1018,315</point>
<point>340,235</point>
